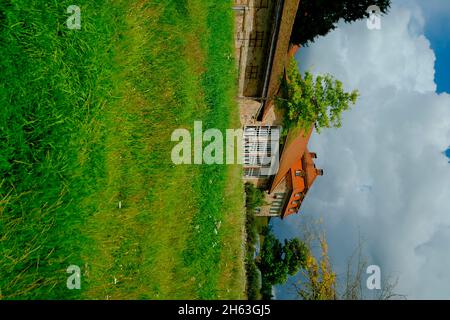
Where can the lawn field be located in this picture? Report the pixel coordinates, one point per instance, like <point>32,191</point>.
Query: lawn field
<point>86,121</point>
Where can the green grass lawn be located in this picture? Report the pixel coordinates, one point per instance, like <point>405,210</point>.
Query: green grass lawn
<point>86,122</point>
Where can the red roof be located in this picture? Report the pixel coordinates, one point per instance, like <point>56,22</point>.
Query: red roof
<point>298,168</point>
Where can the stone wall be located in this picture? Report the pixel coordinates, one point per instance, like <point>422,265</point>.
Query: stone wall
<point>254,21</point>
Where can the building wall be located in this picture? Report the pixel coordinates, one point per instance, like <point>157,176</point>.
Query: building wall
<point>253,31</point>
<point>255,22</point>
<point>258,42</point>
<point>276,200</point>
<point>283,52</point>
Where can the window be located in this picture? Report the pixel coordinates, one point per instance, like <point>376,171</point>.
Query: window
<point>251,72</point>
<point>259,149</point>
<point>252,172</point>
<point>279,195</point>
<point>252,160</point>
<point>299,173</point>
<point>276,207</point>
<point>277,204</point>
<point>256,39</point>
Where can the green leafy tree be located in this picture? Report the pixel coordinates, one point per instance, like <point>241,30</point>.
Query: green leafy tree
<point>319,102</point>
<point>278,260</point>
<point>318,17</point>
<point>271,263</point>
<point>295,253</point>
<point>254,197</point>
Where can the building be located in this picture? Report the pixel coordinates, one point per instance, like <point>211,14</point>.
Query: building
<point>296,174</point>
<point>263,49</point>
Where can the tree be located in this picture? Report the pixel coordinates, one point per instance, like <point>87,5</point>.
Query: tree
<point>295,255</point>
<point>353,285</point>
<point>254,197</point>
<point>318,17</point>
<point>277,261</point>
<point>308,101</point>
<point>318,281</point>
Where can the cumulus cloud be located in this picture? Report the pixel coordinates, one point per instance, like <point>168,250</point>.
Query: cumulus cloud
<point>386,176</point>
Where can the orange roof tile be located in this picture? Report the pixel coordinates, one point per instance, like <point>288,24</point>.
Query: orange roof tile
<point>293,151</point>
<point>297,168</point>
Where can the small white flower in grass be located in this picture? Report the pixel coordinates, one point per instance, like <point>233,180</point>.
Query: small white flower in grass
<point>120,205</point>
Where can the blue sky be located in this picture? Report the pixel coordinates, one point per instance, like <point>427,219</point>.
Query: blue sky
<point>437,30</point>
<point>386,175</point>
<point>441,49</point>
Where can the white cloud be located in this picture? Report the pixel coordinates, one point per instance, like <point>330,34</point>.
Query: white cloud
<point>385,174</point>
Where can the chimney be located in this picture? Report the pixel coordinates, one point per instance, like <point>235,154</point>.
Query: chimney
<point>319,172</point>
<point>313,155</point>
